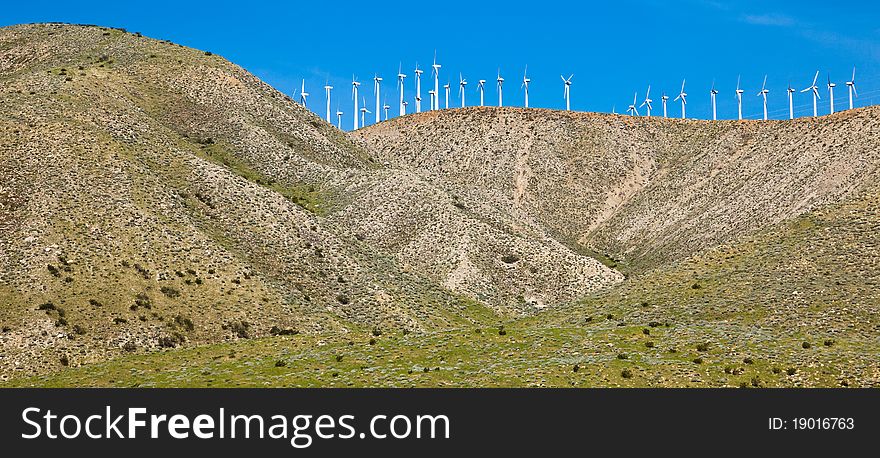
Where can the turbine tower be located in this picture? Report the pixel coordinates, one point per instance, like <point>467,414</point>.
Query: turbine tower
<point>682,95</point>
<point>481,84</point>
<point>364,112</point>
<point>354,94</point>
<point>339,114</point>
<point>851,85</point>
<point>647,101</point>
<point>763,93</point>
<point>632,108</point>
<point>303,94</point>
<point>739,99</point>
<point>831,87</point>
<point>500,84</point>
<point>386,107</point>
<point>431,94</point>
<point>815,90</point>
<point>461,85</point>
<point>525,85</point>
<point>400,78</point>
<point>405,103</point>
<point>376,80</point>
<point>418,88</point>
<point>664,98</point>
<point>327,89</point>
<point>713,93</point>
<point>567,91</point>
<point>446,89</point>
<point>435,69</point>
<point>790,102</point>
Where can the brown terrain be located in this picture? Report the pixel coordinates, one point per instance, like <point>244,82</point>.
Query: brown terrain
<point>156,200</point>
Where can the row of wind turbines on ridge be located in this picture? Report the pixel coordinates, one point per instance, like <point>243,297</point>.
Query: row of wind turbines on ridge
<point>434,95</point>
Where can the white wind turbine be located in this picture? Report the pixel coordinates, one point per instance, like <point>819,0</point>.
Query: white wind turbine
<point>851,85</point>
<point>566,93</point>
<point>500,84</point>
<point>461,85</point>
<point>446,89</point>
<point>376,81</point>
<point>303,94</point>
<point>664,98</point>
<point>405,103</point>
<point>481,84</point>
<point>386,107</point>
<point>647,102</point>
<point>339,114</point>
<point>713,93</point>
<point>354,94</point>
<point>815,90</point>
<point>633,111</point>
<point>525,85</point>
<point>400,79</point>
<point>791,92</point>
<point>831,87</point>
<point>763,93</point>
<point>739,99</point>
<point>683,96</point>
<point>419,89</point>
<point>364,112</point>
<point>435,70</point>
<point>432,95</point>
<point>327,89</point>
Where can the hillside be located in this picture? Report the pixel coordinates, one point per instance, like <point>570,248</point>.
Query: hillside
<point>645,191</point>
<point>168,219</point>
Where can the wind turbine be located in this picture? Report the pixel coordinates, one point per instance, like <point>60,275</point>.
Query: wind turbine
<point>790,101</point>
<point>405,103</point>
<point>386,107</point>
<point>354,94</point>
<point>664,98</point>
<point>419,89</point>
<point>481,84</point>
<point>303,94</point>
<point>446,89</point>
<point>364,112</point>
<point>763,93</point>
<point>815,90</point>
<point>461,85</point>
<point>831,87</point>
<point>739,99</point>
<point>647,101</point>
<point>525,84</point>
<point>851,85</point>
<point>400,78</point>
<point>633,111</point>
<point>431,94</point>
<point>567,91</point>
<point>339,114</point>
<point>500,84</point>
<point>435,69</point>
<point>682,95</point>
<point>328,88</point>
<point>712,95</point>
<point>376,80</point>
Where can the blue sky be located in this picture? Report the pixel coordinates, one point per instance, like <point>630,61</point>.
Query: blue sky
<point>613,48</point>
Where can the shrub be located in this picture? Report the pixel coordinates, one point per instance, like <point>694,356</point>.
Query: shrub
<point>654,324</point>
<point>338,358</point>
<point>240,329</point>
<point>703,346</point>
<point>649,344</point>
<point>142,300</point>
<point>756,382</point>
<point>172,340</point>
<point>169,292</point>
<point>79,330</point>
<point>806,345</point>
<point>622,356</point>
<point>509,258</point>
<point>791,371</point>
<point>748,360</point>
<point>129,346</point>
<point>377,332</point>
<point>183,322</point>
<point>342,299</point>
<point>828,342</point>
<point>372,341</point>
<point>646,331</point>
<point>276,331</point>
<point>776,370</point>
<point>575,368</point>
<point>698,360</point>
<point>95,303</point>
<point>626,373</point>
<point>47,306</point>
<point>53,270</point>
<point>501,331</point>
<point>280,363</point>
<point>119,321</point>
<point>64,360</point>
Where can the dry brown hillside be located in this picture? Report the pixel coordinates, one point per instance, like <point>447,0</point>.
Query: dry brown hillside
<point>644,191</point>
<point>153,195</point>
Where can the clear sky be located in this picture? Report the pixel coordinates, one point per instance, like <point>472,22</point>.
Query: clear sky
<point>613,48</point>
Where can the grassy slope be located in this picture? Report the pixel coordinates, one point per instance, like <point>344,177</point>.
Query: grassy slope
<point>754,304</point>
